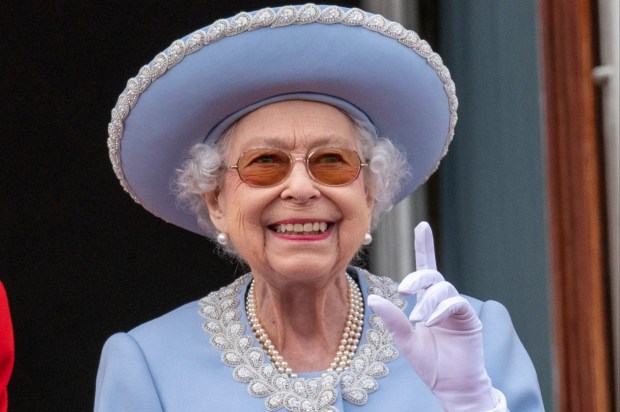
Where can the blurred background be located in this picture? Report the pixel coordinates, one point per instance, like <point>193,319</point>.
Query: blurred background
<point>81,261</point>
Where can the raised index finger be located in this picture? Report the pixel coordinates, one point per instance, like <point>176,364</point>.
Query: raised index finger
<point>424,247</point>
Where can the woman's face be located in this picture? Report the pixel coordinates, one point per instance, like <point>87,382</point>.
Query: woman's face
<point>254,217</point>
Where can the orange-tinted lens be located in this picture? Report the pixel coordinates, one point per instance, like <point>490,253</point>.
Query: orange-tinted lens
<point>263,167</point>
<point>334,167</point>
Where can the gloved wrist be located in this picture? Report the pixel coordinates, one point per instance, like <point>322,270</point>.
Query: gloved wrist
<point>471,397</point>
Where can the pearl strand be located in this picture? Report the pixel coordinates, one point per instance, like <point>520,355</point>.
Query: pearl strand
<point>348,343</point>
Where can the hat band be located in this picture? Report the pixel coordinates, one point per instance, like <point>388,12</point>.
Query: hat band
<point>347,107</point>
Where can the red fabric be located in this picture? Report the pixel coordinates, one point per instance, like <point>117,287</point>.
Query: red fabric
<point>7,350</point>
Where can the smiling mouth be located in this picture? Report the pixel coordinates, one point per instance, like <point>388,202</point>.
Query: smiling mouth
<point>309,228</point>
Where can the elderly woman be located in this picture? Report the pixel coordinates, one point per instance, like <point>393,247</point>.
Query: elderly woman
<point>270,124</point>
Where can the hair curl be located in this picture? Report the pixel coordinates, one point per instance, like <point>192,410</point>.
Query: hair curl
<point>202,170</point>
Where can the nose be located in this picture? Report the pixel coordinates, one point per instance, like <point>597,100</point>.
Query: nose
<point>299,185</point>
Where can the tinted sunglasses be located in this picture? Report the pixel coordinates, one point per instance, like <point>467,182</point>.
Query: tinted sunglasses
<point>269,167</point>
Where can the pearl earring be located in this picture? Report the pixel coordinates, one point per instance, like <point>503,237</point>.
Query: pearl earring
<point>222,238</point>
<point>367,239</point>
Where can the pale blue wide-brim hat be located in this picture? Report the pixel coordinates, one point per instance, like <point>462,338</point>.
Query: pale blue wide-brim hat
<point>372,68</point>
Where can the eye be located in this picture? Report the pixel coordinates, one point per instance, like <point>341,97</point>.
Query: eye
<point>327,157</point>
<point>266,158</point>
<point>263,158</point>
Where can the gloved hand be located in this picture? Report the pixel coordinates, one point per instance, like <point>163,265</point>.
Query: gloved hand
<point>442,339</point>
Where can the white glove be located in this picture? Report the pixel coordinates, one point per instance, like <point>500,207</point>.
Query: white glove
<point>442,339</point>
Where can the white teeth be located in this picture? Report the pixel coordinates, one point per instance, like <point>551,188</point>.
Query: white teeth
<point>302,228</point>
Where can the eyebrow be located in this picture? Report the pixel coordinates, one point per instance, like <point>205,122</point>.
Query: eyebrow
<point>277,142</point>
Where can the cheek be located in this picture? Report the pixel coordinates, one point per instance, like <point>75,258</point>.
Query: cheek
<point>244,216</point>
<point>357,213</point>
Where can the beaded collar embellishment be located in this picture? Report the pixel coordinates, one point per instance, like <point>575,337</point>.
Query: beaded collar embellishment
<point>241,351</point>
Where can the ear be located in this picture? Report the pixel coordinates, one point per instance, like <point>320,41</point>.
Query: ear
<point>370,203</point>
<point>216,210</point>
<point>370,199</point>
<point>370,194</point>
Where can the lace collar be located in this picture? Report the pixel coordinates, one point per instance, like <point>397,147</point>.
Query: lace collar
<point>222,310</point>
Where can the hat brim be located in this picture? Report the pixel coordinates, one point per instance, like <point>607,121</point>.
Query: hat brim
<point>370,67</point>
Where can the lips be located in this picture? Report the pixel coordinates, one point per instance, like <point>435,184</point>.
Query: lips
<point>306,228</point>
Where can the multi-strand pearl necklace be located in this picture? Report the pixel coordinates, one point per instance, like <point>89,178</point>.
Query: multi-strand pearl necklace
<point>348,342</point>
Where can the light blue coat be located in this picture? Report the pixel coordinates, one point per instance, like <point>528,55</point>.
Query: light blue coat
<point>170,363</point>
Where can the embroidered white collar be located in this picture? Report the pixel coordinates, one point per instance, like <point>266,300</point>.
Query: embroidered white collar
<point>222,309</point>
